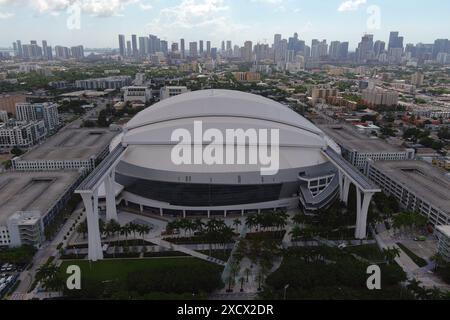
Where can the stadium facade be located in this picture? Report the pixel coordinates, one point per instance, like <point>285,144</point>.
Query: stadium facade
<point>152,183</point>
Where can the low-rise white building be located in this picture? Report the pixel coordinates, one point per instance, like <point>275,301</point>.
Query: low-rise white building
<point>137,93</point>
<point>171,91</point>
<point>443,234</point>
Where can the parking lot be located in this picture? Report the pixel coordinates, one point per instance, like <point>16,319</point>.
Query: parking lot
<point>8,276</point>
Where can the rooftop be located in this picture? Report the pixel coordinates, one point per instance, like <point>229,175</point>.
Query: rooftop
<point>72,144</point>
<point>420,178</point>
<point>352,139</point>
<point>32,191</point>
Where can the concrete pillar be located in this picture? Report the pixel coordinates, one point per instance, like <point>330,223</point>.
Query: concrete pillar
<point>161,213</point>
<point>209,214</point>
<point>111,209</point>
<point>346,190</point>
<point>184,213</point>
<point>362,212</point>
<point>224,213</point>
<point>90,201</point>
<point>242,213</point>
<point>341,185</point>
<point>141,208</point>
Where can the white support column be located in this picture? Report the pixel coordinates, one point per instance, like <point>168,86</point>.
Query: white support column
<point>111,209</point>
<point>141,208</point>
<point>161,213</point>
<point>341,185</point>
<point>209,214</point>
<point>346,190</point>
<point>90,201</point>
<point>362,212</point>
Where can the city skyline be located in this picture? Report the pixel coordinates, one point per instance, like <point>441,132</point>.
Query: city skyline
<point>219,20</point>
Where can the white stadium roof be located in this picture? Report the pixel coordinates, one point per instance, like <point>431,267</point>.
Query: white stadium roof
<point>148,134</point>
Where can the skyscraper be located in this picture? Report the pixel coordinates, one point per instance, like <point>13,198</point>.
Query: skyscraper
<point>248,51</point>
<point>343,50</point>
<point>379,47</point>
<point>44,49</point>
<point>334,50</point>
<point>122,45</point>
<point>208,48</point>
<point>134,45</point>
<point>395,41</point>
<point>193,52</point>
<point>183,49</point>
<point>201,48</point>
<point>19,48</point>
<point>365,48</point>
<point>143,46</point>
<point>129,49</point>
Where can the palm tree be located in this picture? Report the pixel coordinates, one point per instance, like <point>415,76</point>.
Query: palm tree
<point>125,231</point>
<point>82,228</point>
<point>296,232</point>
<point>236,223</point>
<point>390,254</point>
<point>50,277</point>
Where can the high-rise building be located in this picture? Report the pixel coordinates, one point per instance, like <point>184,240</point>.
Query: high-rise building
<point>201,49</point>
<point>47,112</point>
<point>77,52</point>
<point>343,50</point>
<point>365,48</point>
<point>164,47</point>
<point>129,49</point>
<point>44,49</point>
<point>395,41</point>
<point>19,48</point>
<point>134,45</point>
<point>208,48</point>
<point>193,51</point>
<point>378,48</point>
<point>247,53</point>
<point>62,53</point>
<point>122,45</point>
<point>441,46</point>
<point>334,50</point>
<point>143,46</point>
<point>182,49</point>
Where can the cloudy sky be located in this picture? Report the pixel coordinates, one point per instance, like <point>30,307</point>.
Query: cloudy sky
<point>216,20</point>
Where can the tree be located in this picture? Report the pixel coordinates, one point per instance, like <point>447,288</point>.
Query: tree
<point>236,223</point>
<point>82,228</point>
<point>50,277</point>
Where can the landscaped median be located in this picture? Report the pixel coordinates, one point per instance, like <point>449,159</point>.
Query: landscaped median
<point>417,260</point>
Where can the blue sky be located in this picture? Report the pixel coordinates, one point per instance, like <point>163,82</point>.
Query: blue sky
<point>216,20</point>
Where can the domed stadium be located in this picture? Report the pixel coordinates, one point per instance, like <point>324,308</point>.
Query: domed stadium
<point>152,182</point>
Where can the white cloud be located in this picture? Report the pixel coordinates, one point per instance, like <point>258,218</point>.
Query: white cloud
<point>268,1</point>
<point>98,8</point>
<point>6,15</point>
<point>146,6</point>
<point>351,5</point>
<point>209,16</point>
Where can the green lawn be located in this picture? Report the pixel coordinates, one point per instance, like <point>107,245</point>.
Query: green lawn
<point>119,269</point>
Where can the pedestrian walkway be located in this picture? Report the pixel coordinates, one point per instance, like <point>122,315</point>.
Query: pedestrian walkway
<point>196,254</point>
